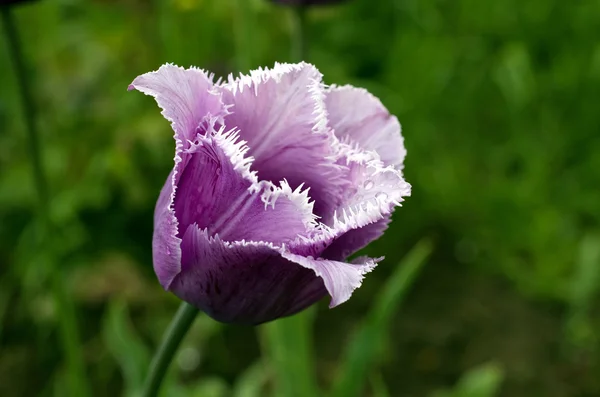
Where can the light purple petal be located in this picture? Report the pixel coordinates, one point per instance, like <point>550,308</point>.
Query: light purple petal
<point>367,204</point>
<point>359,117</point>
<point>281,114</point>
<point>374,191</point>
<point>184,95</point>
<point>248,283</point>
<point>340,278</point>
<point>166,250</point>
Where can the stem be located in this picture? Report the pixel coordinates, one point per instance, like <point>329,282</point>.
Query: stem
<point>68,331</point>
<point>14,47</point>
<point>183,320</point>
<point>299,39</point>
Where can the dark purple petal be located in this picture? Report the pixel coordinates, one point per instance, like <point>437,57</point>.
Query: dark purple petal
<point>281,114</point>
<point>248,283</point>
<point>358,117</point>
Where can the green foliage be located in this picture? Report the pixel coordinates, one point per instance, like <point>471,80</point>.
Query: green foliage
<point>482,381</point>
<point>122,342</point>
<point>498,102</point>
<point>288,346</point>
<point>584,290</point>
<point>251,382</point>
<point>379,387</point>
<point>365,347</point>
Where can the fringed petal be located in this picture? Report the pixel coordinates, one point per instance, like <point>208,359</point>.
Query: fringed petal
<point>281,114</point>
<point>185,96</point>
<point>340,278</point>
<point>358,117</point>
<point>166,250</point>
<point>186,101</point>
<point>373,193</point>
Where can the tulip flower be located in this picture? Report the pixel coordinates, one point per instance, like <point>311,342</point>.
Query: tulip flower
<point>277,179</point>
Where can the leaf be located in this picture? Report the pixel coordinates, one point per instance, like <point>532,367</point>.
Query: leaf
<point>288,346</point>
<point>584,288</point>
<point>361,354</point>
<point>586,280</point>
<point>5,292</point>
<point>251,382</point>
<point>127,348</point>
<point>208,387</point>
<point>378,385</point>
<point>482,381</point>
<point>514,75</point>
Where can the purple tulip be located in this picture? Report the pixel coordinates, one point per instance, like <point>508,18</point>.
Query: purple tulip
<point>277,180</point>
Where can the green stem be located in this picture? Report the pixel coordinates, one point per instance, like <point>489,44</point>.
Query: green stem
<point>183,320</point>
<point>14,47</point>
<point>299,39</point>
<point>68,331</point>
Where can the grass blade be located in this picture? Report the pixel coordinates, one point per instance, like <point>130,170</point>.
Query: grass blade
<point>252,381</point>
<point>482,381</point>
<point>361,354</point>
<point>584,288</point>
<point>288,344</point>
<point>130,352</point>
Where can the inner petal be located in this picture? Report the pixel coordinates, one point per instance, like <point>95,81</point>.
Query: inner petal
<point>281,114</point>
<point>359,117</point>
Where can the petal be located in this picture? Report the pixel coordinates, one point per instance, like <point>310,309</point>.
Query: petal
<point>186,97</point>
<point>166,251</point>
<point>340,278</point>
<point>216,191</point>
<point>248,283</point>
<point>373,192</point>
<point>356,239</point>
<point>359,117</point>
<point>281,114</point>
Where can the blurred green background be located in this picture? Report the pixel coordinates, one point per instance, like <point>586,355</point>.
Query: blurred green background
<point>499,105</point>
